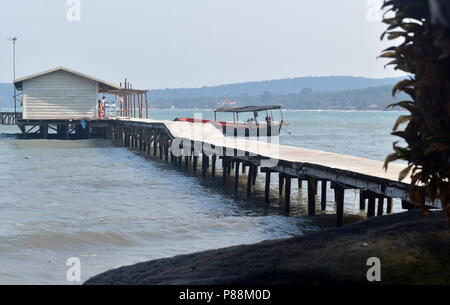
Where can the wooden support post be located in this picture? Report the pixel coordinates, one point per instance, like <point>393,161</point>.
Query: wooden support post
<point>323,197</point>
<point>340,205</point>
<point>204,165</point>
<point>300,183</point>
<point>371,205</point>
<point>166,148</point>
<point>43,131</point>
<point>333,187</point>
<point>161,147</point>
<point>224,170</point>
<point>267,187</point>
<point>255,174</point>
<point>280,183</point>
<point>390,204</point>
<point>67,132</point>
<point>213,169</point>
<point>195,164</point>
<point>155,143</point>
<point>186,162</point>
<point>362,200</point>
<point>236,177</point>
<point>287,194</point>
<point>250,181</point>
<point>146,105</point>
<point>380,206</point>
<point>312,191</point>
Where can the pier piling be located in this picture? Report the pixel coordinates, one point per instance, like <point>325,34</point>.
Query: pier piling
<point>371,205</point>
<point>312,191</point>
<point>380,206</point>
<point>287,195</point>
<point>267,187</point>
<point>323,197</point>
<point>250,181</point>
<point>236,177</point>
<point>280,183</point>
<point>340,191</point>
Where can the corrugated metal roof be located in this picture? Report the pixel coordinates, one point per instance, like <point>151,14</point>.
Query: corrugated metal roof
<point>18,82</point>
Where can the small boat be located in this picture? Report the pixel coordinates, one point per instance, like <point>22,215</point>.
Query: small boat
<point>251,127</point>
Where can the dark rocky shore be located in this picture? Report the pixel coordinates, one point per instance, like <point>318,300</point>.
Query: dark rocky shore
<point>413,249</point>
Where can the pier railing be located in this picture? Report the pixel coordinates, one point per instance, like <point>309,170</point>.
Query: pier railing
<point>10,118</point>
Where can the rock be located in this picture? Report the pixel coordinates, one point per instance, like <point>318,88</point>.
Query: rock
<point>413,249</point>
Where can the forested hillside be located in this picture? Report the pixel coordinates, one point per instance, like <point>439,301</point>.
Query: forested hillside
<point>362,99</point>
<point>282,86</point>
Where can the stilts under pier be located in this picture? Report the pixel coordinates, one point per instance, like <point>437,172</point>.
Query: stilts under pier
<point>64,129</point>
<point>185,144</point>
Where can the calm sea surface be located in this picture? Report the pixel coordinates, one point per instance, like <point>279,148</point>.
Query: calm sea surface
<point>109,206</point>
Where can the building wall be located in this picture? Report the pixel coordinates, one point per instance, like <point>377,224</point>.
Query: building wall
<point>59,95</point>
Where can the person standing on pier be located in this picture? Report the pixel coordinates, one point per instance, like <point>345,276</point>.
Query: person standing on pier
<point>101,109</point>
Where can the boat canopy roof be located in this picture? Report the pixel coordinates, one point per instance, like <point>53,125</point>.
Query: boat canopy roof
<point>248,109</point>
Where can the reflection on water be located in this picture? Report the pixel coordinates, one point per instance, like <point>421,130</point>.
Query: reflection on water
<point>110,206</point>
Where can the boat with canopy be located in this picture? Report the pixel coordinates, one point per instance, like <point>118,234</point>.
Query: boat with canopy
<point>261,123</point>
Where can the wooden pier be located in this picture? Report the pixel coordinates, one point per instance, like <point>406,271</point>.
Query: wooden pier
<point>185,144</point>
<point>9,118</point>
<point>199,147</point>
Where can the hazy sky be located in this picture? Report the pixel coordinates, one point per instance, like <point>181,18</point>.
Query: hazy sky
<point>190,43</point>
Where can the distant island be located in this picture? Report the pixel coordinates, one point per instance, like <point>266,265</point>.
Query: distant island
<point>304,93</point>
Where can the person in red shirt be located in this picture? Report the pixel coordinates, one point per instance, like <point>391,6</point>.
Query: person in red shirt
<point>101,110</point>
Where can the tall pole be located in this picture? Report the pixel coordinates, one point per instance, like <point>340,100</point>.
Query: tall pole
<point>14,72</point>
<point>14,40</point>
